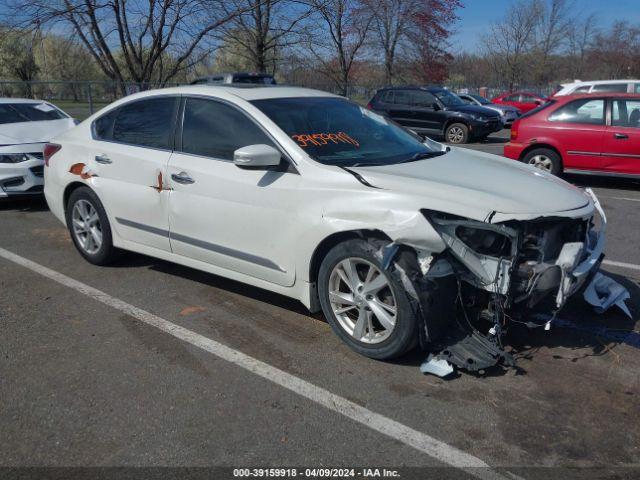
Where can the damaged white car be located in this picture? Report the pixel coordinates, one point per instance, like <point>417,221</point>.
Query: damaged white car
<point>25,127</point>
<point>400,242</point>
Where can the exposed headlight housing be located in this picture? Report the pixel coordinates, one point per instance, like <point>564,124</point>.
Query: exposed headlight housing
<point>13,157</point>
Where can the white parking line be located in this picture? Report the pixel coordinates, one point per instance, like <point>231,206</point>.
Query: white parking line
<point>630,266</point>
<point>622,198</point>
<point>391,428</point>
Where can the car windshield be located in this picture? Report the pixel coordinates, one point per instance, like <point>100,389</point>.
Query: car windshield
<point>480,99</point>
<point>336,131</point>
<point>448,99</point>
<point>28,112</point>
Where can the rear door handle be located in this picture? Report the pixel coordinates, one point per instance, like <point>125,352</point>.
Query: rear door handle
<point>621,136</point>
<point>103,159</point>
<point>183,178</point>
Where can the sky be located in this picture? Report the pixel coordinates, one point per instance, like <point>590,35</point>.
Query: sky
<point>477,15</point>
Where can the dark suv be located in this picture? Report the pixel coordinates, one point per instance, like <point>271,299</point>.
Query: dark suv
<point>436,111</point>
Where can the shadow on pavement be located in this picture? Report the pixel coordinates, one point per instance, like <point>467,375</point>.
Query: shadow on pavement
<point>27,204</point>
<point>603,182</point>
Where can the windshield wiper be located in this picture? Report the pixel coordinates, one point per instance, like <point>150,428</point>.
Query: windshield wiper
<point>423,155</point>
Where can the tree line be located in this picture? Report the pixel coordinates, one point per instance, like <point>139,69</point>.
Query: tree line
<point>161,41</point>
<point>324,43</point>
<point>540,43</point>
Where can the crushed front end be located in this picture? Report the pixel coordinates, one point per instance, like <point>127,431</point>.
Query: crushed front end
<point>494,274</point>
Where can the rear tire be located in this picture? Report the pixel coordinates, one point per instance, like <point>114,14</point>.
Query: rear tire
<point>89,227</point>
<point>545,159</point>
<point>457,133</point>
<point>386,306</point>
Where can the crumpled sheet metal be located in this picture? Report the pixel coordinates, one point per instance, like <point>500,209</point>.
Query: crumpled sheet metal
<point>604,292</point>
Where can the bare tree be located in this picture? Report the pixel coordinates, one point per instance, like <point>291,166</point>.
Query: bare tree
<point>347,25</point>
<point>17,59</point>
<point>411,29</point>
<point>139,40</point>
<point>553,23</point>
<point>616,52</point>
<point>580,38</point>
<point>511,40</point>
<point>265,28</point>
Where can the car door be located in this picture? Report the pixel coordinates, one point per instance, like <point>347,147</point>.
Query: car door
<point>621,149</point>
<point>128,159</point>
<point>238,219</point>
<point>401,109</point>
<point>527,102</point>
<point>425,116</point>
<point>579,128</point>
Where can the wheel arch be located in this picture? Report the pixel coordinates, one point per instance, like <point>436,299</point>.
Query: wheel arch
<point>69,189</point>
<point>452,120</point>
<point>334,239</point>
<point>541,145</point>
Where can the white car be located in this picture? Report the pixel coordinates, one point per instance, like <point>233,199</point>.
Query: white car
<point>25,127</point>
<point>508,114</point>
<point>599,86</point>
<point>309,195</point>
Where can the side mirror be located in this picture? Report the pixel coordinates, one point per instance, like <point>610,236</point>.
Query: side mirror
<point>435,106</point>
<point>257,156</point>
<point>538,102</point>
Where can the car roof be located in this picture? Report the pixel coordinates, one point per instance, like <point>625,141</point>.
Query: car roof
<point>598,95</point>
<point>21,100</point>
<point>597,82</point>
<point>252,93</point>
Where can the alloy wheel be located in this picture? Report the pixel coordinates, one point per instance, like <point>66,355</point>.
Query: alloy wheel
<point>542,162</point>
<point>86,226</point>
<point>362,300</point>
<point>456,135</point>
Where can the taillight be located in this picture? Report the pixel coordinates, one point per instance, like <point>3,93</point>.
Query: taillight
<point>49,150</point>
<point>514,130</point>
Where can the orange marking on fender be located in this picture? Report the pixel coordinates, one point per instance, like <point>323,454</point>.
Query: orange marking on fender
<point>78,169</point>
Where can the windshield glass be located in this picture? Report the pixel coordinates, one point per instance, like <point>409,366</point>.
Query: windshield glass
<point>336,131</point>
<point>482,100</point>
<point>28,112</point>
<point>449,99</point>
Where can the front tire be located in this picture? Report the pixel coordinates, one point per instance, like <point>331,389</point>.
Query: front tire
<point>545,159</point>
<point>457,133</point>
<point>366,306</point>
<point>89,227</point>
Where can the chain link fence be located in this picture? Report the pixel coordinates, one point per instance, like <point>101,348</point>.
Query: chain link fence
<point>82,98</point>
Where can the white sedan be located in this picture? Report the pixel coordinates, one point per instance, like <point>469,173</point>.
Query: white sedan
<point>25,127</point>
<point>309,195</point>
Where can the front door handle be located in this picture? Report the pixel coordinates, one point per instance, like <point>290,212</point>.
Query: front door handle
<point>183,178</point>
<point>621,136</point>
<point>103,159</point>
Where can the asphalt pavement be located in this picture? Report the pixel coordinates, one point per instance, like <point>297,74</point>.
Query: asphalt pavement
<point>169,366</point>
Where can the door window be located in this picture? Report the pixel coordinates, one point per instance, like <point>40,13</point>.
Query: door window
<point>610,87</point>
<point>420,98</point>
<point>586,110</point>
<point>145,123</point>
<point>215,129</point>
<point>402,97</point>
<point>626,113</point>
<point>512,98</point>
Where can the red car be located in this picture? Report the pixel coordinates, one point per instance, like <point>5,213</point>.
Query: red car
<point>581,134</point>
<point>523,101</point>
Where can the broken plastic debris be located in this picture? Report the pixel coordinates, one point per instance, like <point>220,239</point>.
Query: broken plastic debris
<point>436,366</point>
<point>603,292</point>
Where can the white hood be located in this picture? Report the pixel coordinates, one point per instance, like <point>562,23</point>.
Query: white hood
<point>33,132</point>
<point>479,182</point>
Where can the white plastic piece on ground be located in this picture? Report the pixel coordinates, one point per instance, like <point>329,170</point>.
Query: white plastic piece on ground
<point>603,292</point>
<point>438,367</point>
